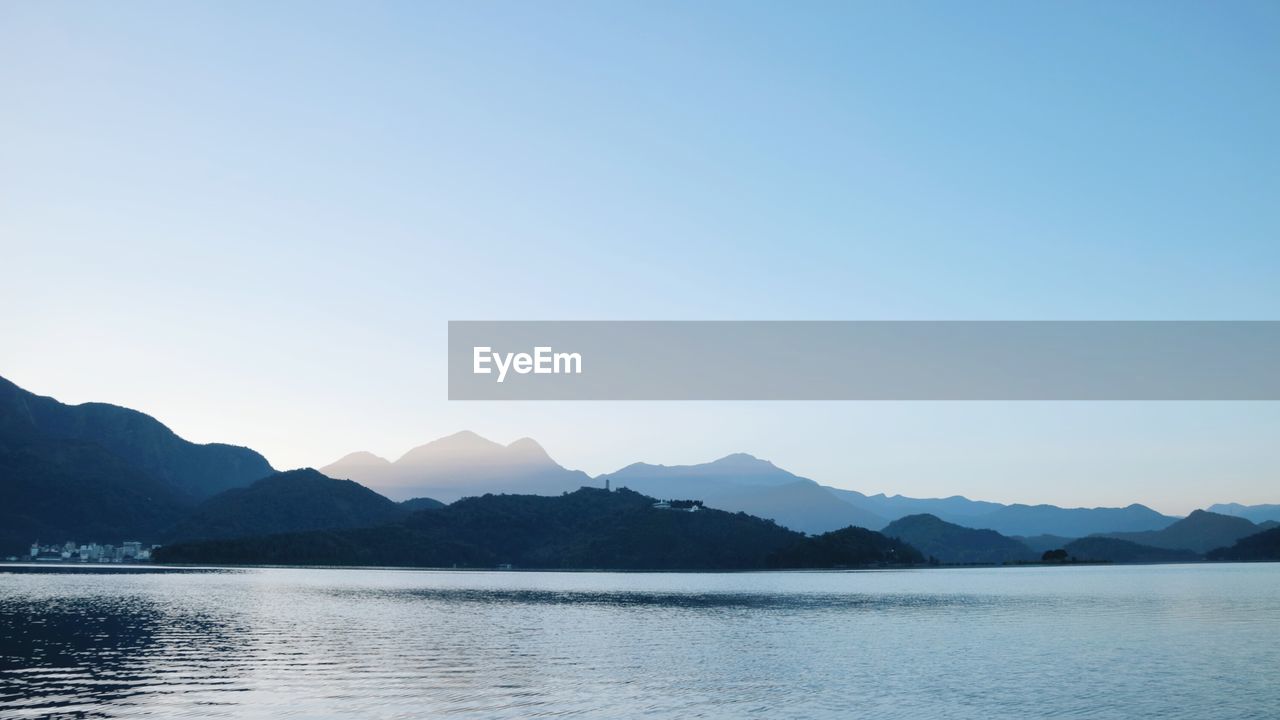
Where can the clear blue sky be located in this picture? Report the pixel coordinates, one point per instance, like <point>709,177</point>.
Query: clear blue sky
<point>253,220</point>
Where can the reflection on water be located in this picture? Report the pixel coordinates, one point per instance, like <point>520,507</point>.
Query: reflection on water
<point>1196,641</point>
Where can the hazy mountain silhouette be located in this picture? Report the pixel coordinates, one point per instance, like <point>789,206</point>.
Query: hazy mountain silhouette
<point>1040,543</point>
<point>1011,520</point>
<point>98,472</point>
<point>1251,548</point>
<point>290,501</point>
<point>1072,522</point>
<point>1200,531</point>
<point>743,483</point>
<point>955,509</point>
<point>461,465</point>
<point>956,545</point>
<point>467,464</point>
<point>1109,549</point>
<point>588,528</point>
<point>1256,513</point>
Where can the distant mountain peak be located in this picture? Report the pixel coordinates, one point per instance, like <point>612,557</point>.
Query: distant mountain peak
<point>305,474</point>
<point>360,457</point>
<point>1256,513</point>
<point>1201,531</point>
<point>466,439</point>
<point>743,460</point>
<point>465,436</point>
<point>923,518</point>
<point>528,447</point>
<point>458,446</point>
<point>461,465</point>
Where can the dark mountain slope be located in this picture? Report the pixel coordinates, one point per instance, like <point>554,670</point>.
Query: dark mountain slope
<point>1109,549</point>
<point>57,490</point>
<point>589,528</point>
<point>291,501</point>
<point>196,471</point>
<point>1201,531</point>
<point>421,503</point>
<point>956,545</point>
<point>850,547</point>
<point>1259,546</point>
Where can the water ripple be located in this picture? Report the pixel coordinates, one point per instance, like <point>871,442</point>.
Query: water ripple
<point>1194,642</point>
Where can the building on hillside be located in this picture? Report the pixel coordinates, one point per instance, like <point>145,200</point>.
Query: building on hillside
<point>685,505</point>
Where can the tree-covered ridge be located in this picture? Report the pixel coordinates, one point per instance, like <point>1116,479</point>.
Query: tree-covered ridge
<point>955,545</point>
<point>588,528</point>
<point>1107,549</point>
<point>1200,532</point>
<point>101,473</point>
<point>55,490</point>
<point>1259,546</point>
<point>192,470</point>
<point>291,501</point>
<point>421,503</point>
<point>850,547</point>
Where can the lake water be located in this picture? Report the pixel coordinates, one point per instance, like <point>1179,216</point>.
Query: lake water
<point>1191,641</point>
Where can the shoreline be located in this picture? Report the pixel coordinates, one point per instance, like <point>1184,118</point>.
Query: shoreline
<point>174,567</point>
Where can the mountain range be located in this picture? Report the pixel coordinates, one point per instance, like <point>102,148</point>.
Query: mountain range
<point>588,528</point>
<point>1108,549</point>
<point>292,501</point>
<point>460,465</point>
<point>742,483</point>
<point>1257,513</point>
<point>466,464</point>
<point>99,472</point>
<point>1200,532</point>
<point>953,544</point>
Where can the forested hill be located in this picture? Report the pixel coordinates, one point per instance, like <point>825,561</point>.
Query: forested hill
<point>588,528</point>
<point>292,501</point>
<point>1258,547</point>
<point>955,545</point>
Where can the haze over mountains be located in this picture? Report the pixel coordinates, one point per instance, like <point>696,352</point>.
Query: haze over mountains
<point>97,472</point>
<point>742,483</point>
<point>1257,513</point>
<point>460,465</point>
<point>1201,531</point>
<point>466,464</point>
<point>1016,519</point>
